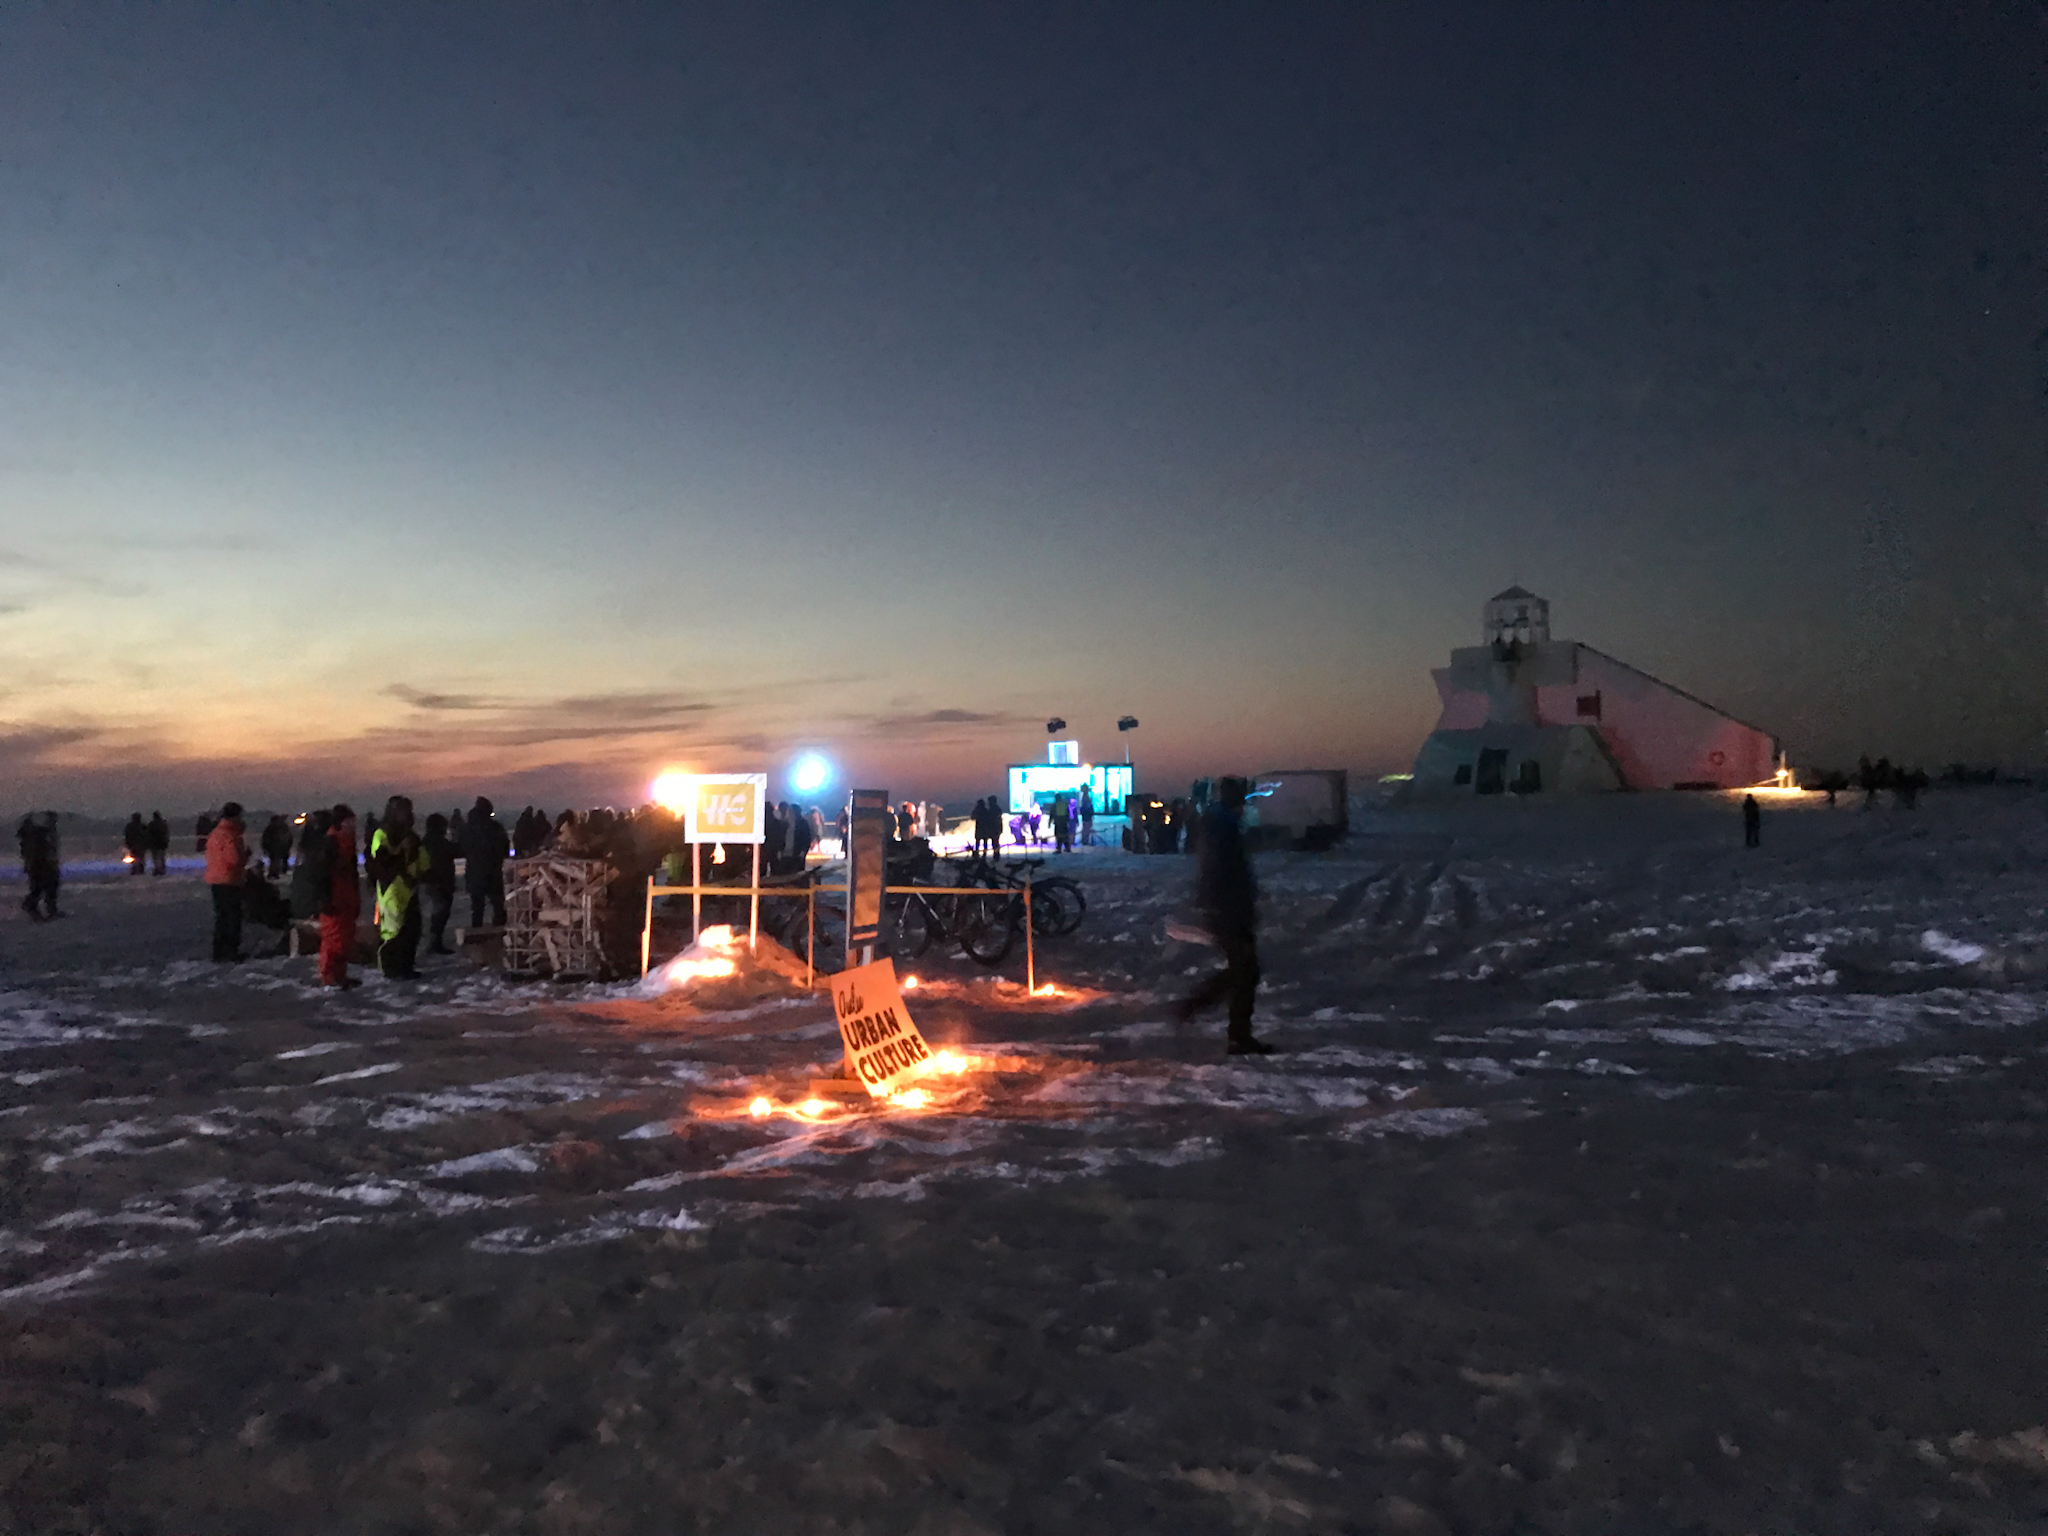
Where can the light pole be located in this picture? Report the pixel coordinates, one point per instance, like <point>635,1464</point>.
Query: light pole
<point>1126,723</point>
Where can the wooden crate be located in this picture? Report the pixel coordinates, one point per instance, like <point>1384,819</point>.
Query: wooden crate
<point>554,916</point>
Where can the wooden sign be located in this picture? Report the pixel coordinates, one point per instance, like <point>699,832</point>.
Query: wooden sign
<point>725,807</point>
<point>883,1047</point>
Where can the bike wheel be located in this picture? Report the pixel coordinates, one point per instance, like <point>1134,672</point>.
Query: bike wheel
<point>910,928</point>
<point>988,925</point>
<point>1048,912</point>
<point>1073,905</point>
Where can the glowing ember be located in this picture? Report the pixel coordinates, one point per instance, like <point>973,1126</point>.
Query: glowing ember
<point>1048,990</point>
<point>813,1106</point>
<point>760,1109</point>
<point>909,982</point>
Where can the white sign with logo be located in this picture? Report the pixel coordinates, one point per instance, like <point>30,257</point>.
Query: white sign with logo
<point>882,1046</point>
<point>725,808</point>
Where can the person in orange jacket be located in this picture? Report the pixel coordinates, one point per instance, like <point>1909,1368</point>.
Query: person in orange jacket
<point>227,865</point>
<point>344,907</point>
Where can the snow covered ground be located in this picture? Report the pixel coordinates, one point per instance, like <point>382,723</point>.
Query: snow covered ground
<point>1609,1172</point>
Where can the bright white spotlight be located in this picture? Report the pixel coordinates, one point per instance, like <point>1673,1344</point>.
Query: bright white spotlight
<point>809,774</point>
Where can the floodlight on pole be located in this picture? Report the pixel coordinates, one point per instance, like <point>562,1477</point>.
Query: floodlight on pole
<point>1054,726</point>
<point>1126,723</point>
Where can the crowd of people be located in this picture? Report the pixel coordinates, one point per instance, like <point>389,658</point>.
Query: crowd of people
<point>409,866</point>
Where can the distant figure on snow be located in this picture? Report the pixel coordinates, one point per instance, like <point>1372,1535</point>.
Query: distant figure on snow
<point>227,863</point>
<point>437,885</point>
<point>484,846</point>
<point>159,841</point>
<point>277,846</point>
<point>42,862</point>
<point>397,865</point>
<point>1752,822</point>
<point>1229,898</point>
<point>135,838</point>
<point>344,907</point>
<point>1087,816</point>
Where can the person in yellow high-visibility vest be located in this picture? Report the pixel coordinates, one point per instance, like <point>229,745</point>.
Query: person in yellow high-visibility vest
<point>398,863</point>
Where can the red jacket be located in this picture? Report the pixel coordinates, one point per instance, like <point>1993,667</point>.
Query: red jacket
<point>227,857</point>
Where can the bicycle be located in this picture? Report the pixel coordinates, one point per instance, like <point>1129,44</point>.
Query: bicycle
<point>1057,903</point>
<point>978,924</point>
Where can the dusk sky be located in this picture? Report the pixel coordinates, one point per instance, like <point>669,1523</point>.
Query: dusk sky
<point>528,399</point>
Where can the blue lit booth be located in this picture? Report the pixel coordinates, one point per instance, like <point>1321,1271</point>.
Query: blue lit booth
<point>1063,773</point>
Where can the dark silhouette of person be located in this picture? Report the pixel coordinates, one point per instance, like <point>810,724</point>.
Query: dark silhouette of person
<point>1087,816</point>
<point>310,874</point>
<point>227,866</point>
<point>277,846</point>
<point>1228,895</point>
<point>1752,822</point>
<point>800,838</point>
<point>774,837</point>
<point>906,819</point>
<point>1062,824</point>
<point>159,841</point>
<point>437,885</point>
<point>42,863</point>
<point>484,847</point>
<point>135,838</point>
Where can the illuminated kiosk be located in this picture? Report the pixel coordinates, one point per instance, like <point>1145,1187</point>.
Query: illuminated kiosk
<point>1526,714</point>
<point>1063,773</point>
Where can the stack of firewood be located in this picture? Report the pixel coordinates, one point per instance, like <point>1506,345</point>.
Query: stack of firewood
<point>554,916</point>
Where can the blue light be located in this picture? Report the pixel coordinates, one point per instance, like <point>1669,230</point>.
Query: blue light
<point>809,774</point>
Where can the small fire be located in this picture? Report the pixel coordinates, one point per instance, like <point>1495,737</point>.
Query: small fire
<point>909,982</point>
<point>910,1098</point>
<point>760,1109</point>
<point>813,1106</point>
<point>951,1063</point>
<point>1048,990</point>
<point>718,854</point>
<point>695,962</point>
<point>127,858</point>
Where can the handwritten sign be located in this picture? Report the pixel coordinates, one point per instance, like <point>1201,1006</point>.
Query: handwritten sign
<point>882,1046</point>
<point>725,807</point>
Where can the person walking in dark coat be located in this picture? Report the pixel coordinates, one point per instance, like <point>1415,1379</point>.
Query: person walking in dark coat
<point>42,862</point>
<point>1087,816</point>
<point>1752,822</point>
<point>135,838</point>
<point>437,885</point>
<point>159,841</point>
<point>800,838</point>
<point>1229,898</point>
<point>484,847</point>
